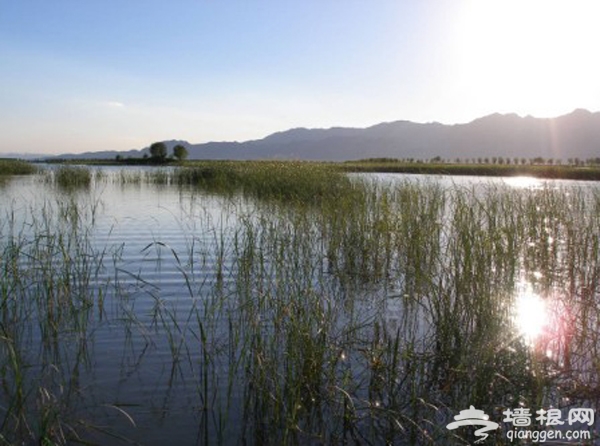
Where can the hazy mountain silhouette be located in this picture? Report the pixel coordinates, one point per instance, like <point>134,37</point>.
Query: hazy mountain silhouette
<point>508,135</point>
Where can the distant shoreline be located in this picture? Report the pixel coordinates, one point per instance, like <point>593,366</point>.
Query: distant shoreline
<point>556,172</point>
<point>553,172</point>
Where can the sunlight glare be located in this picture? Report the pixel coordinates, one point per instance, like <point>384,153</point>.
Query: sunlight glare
<point>523,182</point>
<point>531,316</point>
<point>529,56</point>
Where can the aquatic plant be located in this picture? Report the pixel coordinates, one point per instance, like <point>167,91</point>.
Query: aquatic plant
<point>327,311</point>
<point>300,182</point>
<point>72,177</point>
<point>16,167</point>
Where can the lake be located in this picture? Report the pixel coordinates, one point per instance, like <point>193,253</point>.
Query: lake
<point>139,310</point>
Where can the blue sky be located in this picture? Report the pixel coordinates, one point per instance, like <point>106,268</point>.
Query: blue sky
<point>115,75</point>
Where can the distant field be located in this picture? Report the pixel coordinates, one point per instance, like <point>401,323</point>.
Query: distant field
<point>537,171</point>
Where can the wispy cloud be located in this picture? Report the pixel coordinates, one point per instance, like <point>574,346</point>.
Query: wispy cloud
<point>114,104</point>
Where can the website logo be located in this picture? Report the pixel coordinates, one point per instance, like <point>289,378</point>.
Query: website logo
<point>474,417</point>
<point>548,429</point>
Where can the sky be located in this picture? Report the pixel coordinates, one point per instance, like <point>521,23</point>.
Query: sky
<point>92,75</point>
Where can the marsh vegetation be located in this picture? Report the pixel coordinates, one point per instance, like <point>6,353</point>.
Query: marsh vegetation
<point>278,303</point>
<point>15,167</point>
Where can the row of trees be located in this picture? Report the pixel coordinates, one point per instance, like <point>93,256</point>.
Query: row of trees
<point>158,152</point>
<point>499,160</point>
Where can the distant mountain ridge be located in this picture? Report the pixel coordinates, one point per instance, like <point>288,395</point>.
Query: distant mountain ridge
<point>576,134</point>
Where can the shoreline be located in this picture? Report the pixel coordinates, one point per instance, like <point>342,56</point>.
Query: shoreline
<point>549,172</point>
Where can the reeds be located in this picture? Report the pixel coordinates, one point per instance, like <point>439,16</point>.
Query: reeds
<point>292,181</point>
<point>371,315</point>
<point>69,177</point>
<point>50,288</point>
<point>16,167</point>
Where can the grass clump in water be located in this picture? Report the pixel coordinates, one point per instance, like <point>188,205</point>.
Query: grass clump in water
<point>16,167</point>
<point>50,291</point>
<point>73,177</point>
<point>281,180</point>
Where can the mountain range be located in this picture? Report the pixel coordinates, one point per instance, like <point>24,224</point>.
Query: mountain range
<point>574,135</point>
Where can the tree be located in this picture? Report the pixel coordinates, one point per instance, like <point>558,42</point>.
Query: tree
<point>538,160</point>
<point>158,151</point>
<point>180,152</point>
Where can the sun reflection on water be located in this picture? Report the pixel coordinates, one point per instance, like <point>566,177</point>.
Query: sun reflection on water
<point>531,315</point>
<point>523,182</point>
<point>545,323</point>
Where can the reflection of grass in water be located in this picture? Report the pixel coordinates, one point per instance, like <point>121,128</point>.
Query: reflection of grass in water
<point>371,317</point>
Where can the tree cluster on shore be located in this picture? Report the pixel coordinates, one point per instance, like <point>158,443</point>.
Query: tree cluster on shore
<point>158,154</point>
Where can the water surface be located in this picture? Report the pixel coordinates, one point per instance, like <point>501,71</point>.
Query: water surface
<point>179,308</point>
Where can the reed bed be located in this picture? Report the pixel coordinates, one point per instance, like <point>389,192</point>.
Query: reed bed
<point>73,177</point>
<point>371,316</point>
<point>16,167</point>
<point>50,289</point>
<point>297,181</point>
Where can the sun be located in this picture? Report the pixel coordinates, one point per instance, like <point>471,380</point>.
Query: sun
<point>528,56</point>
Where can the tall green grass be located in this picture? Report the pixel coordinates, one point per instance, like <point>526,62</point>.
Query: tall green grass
<point>50,290</point>
<point>301,182</point>
<point>371,316</point>
<point>16,167</point>
<point>68,177</point>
